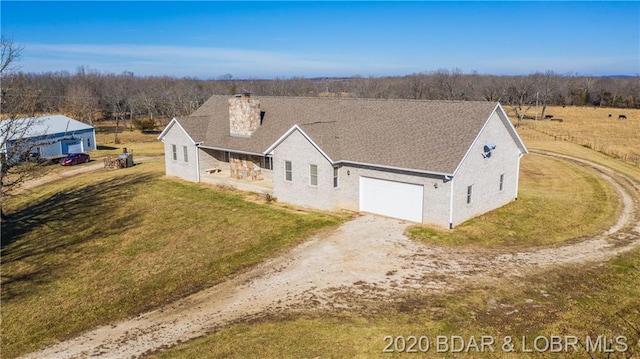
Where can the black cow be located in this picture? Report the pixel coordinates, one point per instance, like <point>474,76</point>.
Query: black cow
<point>622,117</point>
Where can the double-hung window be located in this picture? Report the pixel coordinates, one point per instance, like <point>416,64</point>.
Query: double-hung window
<point>501,182</point>
<point>469,193</point>
<point>174,151</point>
<point>288,171</point>
<point>335,177</point>
<point>313,175</point>
<point>186,153</point>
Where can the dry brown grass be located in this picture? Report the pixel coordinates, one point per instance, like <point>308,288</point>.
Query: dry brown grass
<point>92,249</point>
<point>141,144</point>
<point>545,212</point>
<point>590,127</point>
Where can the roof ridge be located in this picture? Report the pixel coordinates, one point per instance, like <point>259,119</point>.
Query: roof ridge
<point>362,99</point>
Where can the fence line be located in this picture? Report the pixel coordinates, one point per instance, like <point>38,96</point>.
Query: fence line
<point>629,157</point>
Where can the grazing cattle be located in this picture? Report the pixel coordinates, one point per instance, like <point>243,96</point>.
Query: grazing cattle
<point>557,119</point>
<point>622,117</point>
<point>548,117</point>
<point>527,117</point>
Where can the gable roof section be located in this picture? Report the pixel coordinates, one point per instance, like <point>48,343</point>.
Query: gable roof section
<point>193,125</point>
<point>43,126</point>
<point>429,136</point>
<point>502,115</point>
<point>512,130</point>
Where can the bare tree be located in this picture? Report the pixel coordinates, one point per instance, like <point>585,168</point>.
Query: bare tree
<point>492,88</point>
<point>519,96</point>
<point>18,103</point>
<point>418,86</point>
<point>81,102</point>
<point>544,86</point>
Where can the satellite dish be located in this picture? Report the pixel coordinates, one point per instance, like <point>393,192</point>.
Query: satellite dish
<point>488,148</point>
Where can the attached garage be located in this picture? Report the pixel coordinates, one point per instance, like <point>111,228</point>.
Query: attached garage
<point>392,199</point>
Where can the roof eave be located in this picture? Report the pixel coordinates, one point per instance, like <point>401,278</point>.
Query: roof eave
<point>174,121</point>
<point>304,134</point>
<point>414,170</point>
<point>505,121</point>
<point>200,145</point>
<point>512,130</point>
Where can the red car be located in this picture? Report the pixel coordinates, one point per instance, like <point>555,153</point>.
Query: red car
<point>74,159</point>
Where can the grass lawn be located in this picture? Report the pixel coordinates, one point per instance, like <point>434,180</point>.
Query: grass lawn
<point>142,144</point>
<point>575,301</point>
<point>575,150</point>
<point>545,212</point>
<point>590,127</point>
<point>107,245</point>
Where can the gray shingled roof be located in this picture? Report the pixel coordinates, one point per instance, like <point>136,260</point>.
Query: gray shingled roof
<point>430,136</point>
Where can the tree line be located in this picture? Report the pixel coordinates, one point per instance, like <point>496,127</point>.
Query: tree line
<point>89,95</point>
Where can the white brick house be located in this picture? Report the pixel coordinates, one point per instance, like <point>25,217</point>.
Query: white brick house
<point>435,162</point>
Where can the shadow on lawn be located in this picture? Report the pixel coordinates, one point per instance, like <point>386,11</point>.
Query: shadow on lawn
<point>65,220</point>
<point>106,148</point>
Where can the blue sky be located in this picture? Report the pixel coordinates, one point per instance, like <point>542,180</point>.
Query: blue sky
<point>208,39</point>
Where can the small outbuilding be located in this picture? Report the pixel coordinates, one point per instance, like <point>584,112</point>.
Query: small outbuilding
<point>45,137</point>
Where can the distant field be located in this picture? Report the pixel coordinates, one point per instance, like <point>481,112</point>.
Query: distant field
<point>590,127</point>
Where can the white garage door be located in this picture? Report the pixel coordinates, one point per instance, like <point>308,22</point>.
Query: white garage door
<point>391,199</point>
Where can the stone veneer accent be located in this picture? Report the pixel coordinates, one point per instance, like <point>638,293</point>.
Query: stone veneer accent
<point>244,115</point>
<point>246,167</point>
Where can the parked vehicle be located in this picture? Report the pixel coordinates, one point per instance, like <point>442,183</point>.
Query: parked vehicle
<point>74,158</point>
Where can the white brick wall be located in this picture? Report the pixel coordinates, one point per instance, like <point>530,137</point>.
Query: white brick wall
<point>302,153</point>
<point>179,168</point>
<point>435,203</point>
<point>484,174</point>
<point>299,191</point>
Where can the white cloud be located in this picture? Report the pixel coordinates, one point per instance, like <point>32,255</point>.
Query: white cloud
<point>178,60</point>
<point>579,64</point>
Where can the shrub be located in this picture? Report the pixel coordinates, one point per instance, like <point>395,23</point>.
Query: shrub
<point>144,125</point>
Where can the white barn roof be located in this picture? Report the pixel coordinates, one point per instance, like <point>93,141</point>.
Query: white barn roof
<point>47,125</point>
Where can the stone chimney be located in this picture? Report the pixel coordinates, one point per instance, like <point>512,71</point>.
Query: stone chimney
<point>244,115</point>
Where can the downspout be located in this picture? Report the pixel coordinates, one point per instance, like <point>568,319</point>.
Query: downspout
<point>451,206</point>
<point>198,161</point>
<point>517,176</point>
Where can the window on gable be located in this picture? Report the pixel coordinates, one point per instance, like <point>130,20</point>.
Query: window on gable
<point>186,153</point>
<point>174,150</point>
<point>469,193</point>
<point>313,175</point>
<point>502,181</point>
<point>288,172</point>
<point>335,177</point>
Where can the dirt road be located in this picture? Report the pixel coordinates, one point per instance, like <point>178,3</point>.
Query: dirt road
<point>364,253</point>
<point>72,171</point>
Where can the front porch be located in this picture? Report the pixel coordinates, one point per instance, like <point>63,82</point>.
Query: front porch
<point>220,174</point>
